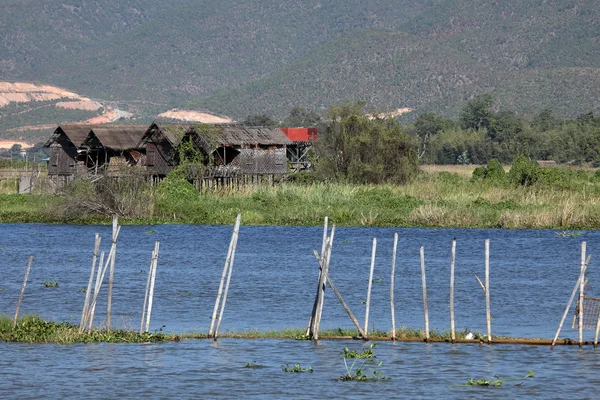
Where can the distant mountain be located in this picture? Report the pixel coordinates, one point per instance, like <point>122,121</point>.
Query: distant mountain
<point>254,56</point>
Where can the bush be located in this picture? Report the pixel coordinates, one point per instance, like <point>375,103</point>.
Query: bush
<point>524,172</point>
<point>493,173</point>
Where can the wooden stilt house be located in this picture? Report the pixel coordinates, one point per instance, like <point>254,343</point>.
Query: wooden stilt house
<point>66,151</point>
<point>109,147</point>
<point>227,151</point>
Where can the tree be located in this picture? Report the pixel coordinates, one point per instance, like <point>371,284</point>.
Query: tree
<point>259,120</point>
<point>426,126</point>
<point>358,149</point>
<point>300,117</point>
<point>544,121</point>
<point>477,113</point>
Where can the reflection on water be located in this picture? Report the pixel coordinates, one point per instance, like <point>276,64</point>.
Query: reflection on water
<point>273,283</point>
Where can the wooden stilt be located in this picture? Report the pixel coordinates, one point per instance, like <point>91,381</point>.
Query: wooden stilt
<point>147,290</point>
<point>92,308</point>
<point>23,286</point>
<point>424,286</point>
<point>392,307</point>
<point>323,283</point>
<point>368,307</point>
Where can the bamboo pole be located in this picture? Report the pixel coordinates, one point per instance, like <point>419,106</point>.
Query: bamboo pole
<point>424,285</point>
<point>23,286</point>
<point>223,276</point>
<point>152,280</point>
<point>115,222</point>
<point>488,315</point>
<point>237,235</point>
<point>147,290</point>
<point>452,261</point>
<point>315,303</point>
<point>368,307</point>
<point>88,290</point>
<point>321,293</point>
<point>597,331</point>
<point>581,293</point>
<point>341,299</point>
<point>92,308</point>
<point>562,321</point>
<point>395,248</point>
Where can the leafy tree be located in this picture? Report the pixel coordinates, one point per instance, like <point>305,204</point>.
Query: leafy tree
<point>426,126</point>
<point>545,120</point>
<point>259,120</point>
<point>357,148</point>
<point>300,117</point>
<point>477,113</point>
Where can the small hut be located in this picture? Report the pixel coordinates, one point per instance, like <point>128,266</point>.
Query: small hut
<point>110,146</point>
<point>65,149</point>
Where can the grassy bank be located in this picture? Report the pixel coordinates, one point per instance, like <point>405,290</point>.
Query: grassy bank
<point>435,199</point>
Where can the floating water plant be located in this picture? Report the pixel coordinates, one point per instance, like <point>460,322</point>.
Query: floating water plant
<point>367,353</point>
<point>51,283</point>
<point>568,234</point>
<point>82,290</point>
<point>254,366</point>
<point>296,368</point>
<point>494,382</point>
<point>363,368</point>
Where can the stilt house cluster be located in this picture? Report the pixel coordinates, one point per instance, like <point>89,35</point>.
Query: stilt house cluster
<point>225,151</point>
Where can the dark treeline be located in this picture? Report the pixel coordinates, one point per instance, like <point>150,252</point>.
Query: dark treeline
<point>356,145</point>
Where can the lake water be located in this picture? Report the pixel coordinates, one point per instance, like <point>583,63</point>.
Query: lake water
<point>272,287</point>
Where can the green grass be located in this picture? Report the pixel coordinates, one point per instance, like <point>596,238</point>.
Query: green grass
<point>432,200</point>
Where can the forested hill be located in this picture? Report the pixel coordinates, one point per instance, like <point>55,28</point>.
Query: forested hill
<point>254,56</point>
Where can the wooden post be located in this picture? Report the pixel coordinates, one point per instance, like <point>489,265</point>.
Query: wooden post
<point>488,316</point>
<point>562,321</point>
<point>315,303</point>
<point>597,331</point>
<point>223,276</point>
<point>424,284</point>
<point>373,251</point>
<point>395,248</point>
<point>88,290</point>
<point>236,234</point>
<point>452,259</point>
<point>14,325</point>
<point>115,222</point>
<point>147,290</point>
<point>152,280</point>
<point>321,292</point>
<point>581,293</point>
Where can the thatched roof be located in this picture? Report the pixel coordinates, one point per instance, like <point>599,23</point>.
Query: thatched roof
<point>117,137</point>
<point>76,133</point>
<point>218,135</point>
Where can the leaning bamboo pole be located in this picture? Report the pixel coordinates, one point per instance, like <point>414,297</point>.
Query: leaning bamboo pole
<point>315,303</point>
<point>88,290</point>
<point>143,319</point>
<point>111,274</point>
<point>237,234</point>
<point>23,286</point>
<point>370,285</point>
<point>152,280</point>
<point>223,277</point>
<point>581,293</point>
<point>579,280</point>
<point>92,308</point>
<point>323,282</point>
<point>392,307</point>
